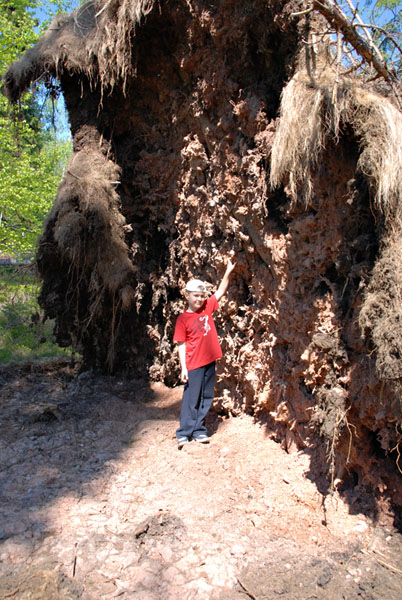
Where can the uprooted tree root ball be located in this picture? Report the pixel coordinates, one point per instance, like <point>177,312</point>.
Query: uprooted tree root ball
<point>204,129</point>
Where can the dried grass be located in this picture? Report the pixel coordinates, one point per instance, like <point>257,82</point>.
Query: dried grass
<point>315,110</point>
<point>294,155</point>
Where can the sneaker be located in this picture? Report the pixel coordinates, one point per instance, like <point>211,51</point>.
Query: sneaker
<point>202,439</point>
<point>182,442</point>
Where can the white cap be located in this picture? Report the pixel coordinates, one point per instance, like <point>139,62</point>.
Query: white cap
<point>196,285</point>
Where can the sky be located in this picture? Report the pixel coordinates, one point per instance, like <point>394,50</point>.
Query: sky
<point>44,13</point>
<point>47,8</point>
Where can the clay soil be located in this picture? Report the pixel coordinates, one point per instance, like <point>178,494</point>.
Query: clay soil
<point>97,502</point>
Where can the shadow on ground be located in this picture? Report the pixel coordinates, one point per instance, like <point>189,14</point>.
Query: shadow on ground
<point>60,432</point>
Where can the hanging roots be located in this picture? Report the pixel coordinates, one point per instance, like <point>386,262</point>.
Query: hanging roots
<point>313,111</point>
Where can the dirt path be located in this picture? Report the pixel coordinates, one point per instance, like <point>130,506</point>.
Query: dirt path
<point>97,502</point>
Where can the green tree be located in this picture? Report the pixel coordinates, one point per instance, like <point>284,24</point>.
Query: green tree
<point>31,158</point>
<point>387,15</point>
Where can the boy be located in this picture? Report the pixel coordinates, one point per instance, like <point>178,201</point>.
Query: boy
<point>198,350</point>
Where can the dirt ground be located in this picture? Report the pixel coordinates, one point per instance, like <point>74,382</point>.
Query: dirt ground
<point>97,502</point>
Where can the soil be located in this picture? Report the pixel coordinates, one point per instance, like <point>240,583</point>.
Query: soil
<point>97,502</point>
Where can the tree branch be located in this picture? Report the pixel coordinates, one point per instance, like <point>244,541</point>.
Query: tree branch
<point>386,33</point>
<point>367,51</point>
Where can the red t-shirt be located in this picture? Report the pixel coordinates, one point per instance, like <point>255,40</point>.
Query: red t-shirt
<point>197,330</point>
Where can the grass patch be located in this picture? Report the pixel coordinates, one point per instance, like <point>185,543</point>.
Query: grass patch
<point>23,334</point>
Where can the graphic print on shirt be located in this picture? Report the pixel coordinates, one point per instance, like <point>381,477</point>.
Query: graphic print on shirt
<point>207,326</point>
<point>199,325</point>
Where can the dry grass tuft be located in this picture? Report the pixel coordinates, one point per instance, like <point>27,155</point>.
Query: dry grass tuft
<point>314,110</point>
<point>294,155</point>
<point>62,47</point>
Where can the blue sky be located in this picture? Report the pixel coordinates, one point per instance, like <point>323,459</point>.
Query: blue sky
<point>47,9</point>
<point>44,13</point>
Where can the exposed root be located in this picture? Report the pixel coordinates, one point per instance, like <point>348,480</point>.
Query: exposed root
<point>98,36</point>
<point>396,448</point>
<point>88,236</point>
<point>310,118</point>
<point>380,317</point>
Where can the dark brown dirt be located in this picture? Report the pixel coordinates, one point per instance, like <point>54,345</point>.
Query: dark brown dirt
<point>97,502</point>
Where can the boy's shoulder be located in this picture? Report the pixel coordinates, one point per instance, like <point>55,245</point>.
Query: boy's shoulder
<point>212,302</point>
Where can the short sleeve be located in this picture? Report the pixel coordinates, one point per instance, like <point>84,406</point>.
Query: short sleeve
<point>180,330</point>
<point>212,304</point>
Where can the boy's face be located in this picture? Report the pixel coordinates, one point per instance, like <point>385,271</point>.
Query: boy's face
<point>195,300</point>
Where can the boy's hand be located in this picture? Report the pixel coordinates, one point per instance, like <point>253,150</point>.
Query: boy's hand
<point>230,265</point>
<point>221,291</point>
<point>184,376</point>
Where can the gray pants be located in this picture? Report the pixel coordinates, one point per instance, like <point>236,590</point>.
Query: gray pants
<point>197,399</point>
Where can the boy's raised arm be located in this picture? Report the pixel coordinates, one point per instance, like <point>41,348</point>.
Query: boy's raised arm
<point>224,284</point>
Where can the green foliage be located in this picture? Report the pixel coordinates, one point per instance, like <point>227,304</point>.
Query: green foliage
<point>386,16</point>
<point>31,158</point>
<point>27,189</point>
<point>392,5</point>
<point>17,29</point>
<point>31,165</point>
<point>23,335</point>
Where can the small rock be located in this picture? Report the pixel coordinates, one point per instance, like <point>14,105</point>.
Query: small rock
<point>361,527</point>
<point>166,553</point>
<point>237,549</point>
<point>325,577</point>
